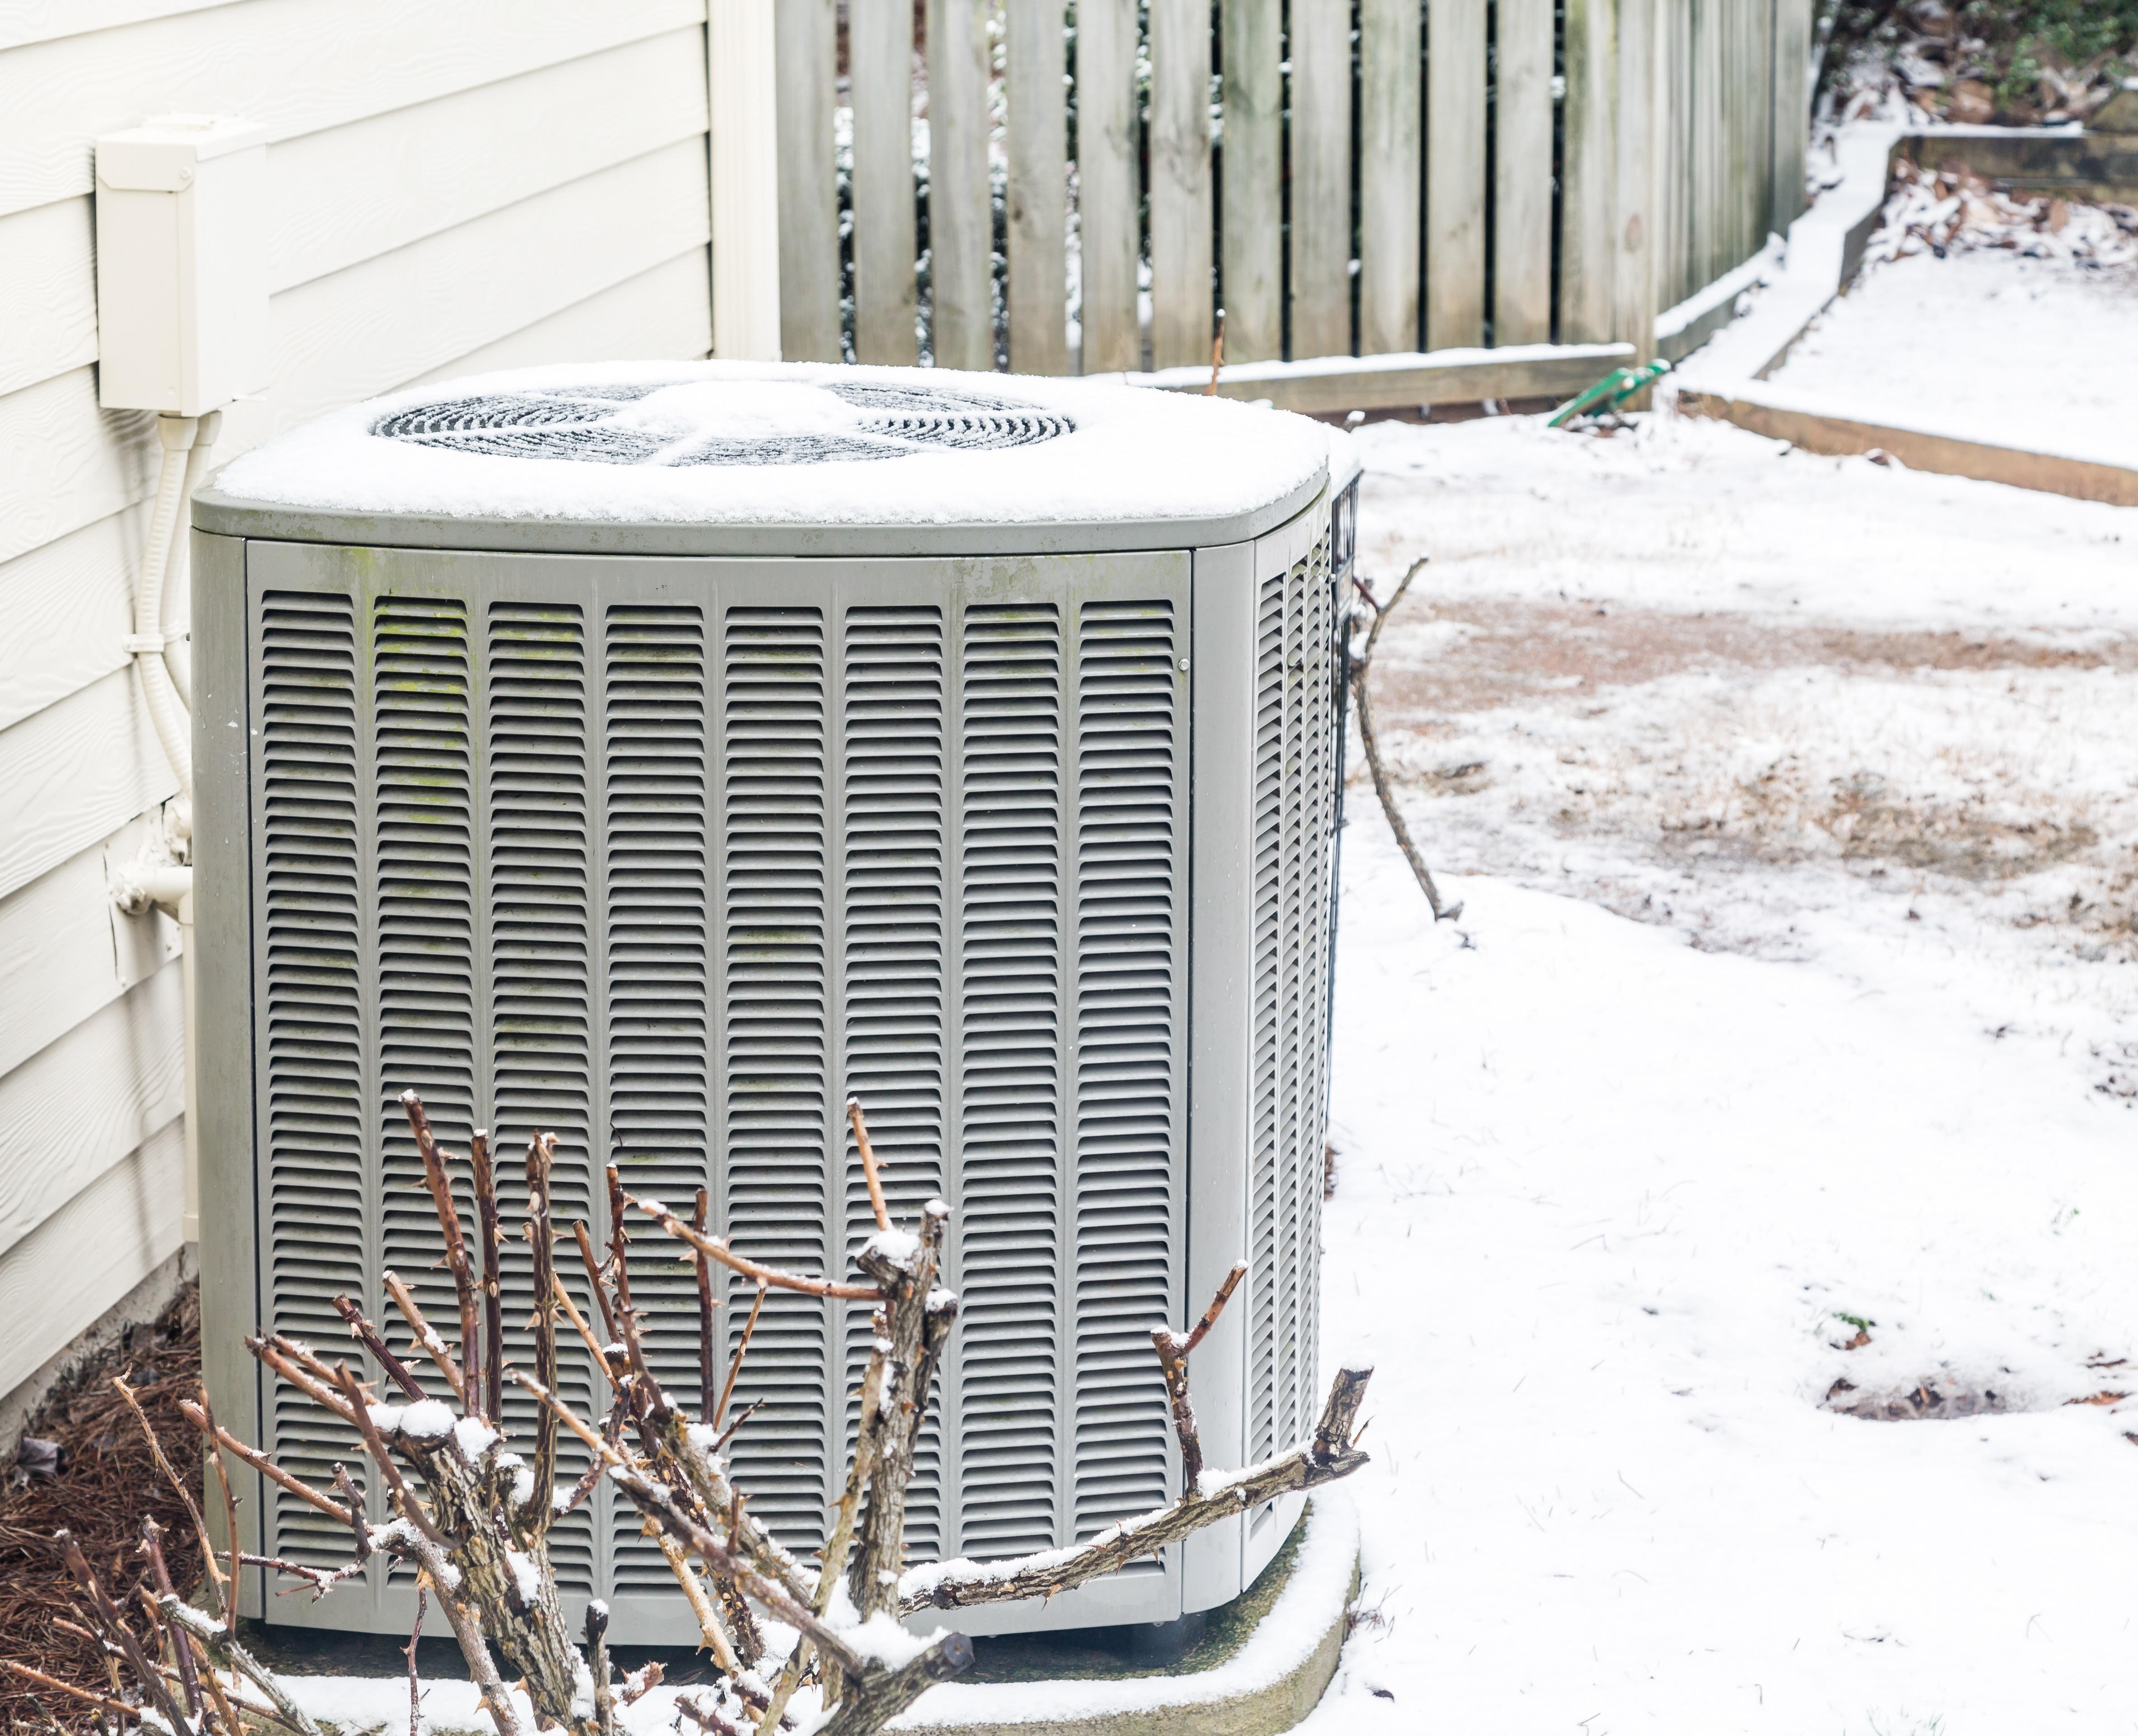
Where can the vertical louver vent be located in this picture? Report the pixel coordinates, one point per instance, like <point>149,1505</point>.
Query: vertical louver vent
<point>314,953</point>
<point>671,871</point>
<point>1295,766</point>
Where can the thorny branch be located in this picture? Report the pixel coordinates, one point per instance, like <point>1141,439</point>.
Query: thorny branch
<point>472,1518</point>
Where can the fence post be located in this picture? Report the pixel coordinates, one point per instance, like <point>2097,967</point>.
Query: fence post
<point>740,74</point>
<point>880,75</point>
<point>1038,190</point>
<point>807,49</point>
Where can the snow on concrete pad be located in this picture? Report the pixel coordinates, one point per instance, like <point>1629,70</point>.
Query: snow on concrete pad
<point>1609,1211</point>
<point>1265,1687</point>
<point>1262,1683</point>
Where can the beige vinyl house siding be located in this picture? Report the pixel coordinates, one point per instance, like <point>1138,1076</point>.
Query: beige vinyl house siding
<point>452,187</point>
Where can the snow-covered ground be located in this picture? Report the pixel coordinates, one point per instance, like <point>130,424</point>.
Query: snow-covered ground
<point>1987,345</point>
<point>1792,802</point>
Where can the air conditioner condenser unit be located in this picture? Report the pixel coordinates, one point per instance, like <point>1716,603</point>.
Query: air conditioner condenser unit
<point>657,754</point>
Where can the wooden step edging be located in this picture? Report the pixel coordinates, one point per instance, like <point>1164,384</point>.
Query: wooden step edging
<point>1817,429</point>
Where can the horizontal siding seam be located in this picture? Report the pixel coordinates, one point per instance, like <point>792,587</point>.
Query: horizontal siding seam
<point>70,10</point>
<point>444,371</point>
<point>679,19</point>
<point>58,1279</point>
<point>496,212</point>
<point>524,73</point>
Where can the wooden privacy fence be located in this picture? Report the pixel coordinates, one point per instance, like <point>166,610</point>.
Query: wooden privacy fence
<point>1080,188</point>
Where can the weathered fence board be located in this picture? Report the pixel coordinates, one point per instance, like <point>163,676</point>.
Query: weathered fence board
<point>1251,193</point>
<point>808,47</point>
<point>1038,187</point>
<point>1521,174</point>
<point>1455,174</point>
<point>1473,196</point>
<point>1634,297</point>
<point>961,208</point>
<point>1180,209</point>
<point>1390,158</point>
<point>1320,178</point>
<point>880,75</point>
<point>1587,182</point>
<point>1108,190</point>
<point>1790,95</point>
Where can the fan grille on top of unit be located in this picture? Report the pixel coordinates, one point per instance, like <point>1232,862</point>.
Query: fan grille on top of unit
<point>584,423</point>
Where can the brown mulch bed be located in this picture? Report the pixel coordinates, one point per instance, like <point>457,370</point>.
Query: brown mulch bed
<point>107,1482</point>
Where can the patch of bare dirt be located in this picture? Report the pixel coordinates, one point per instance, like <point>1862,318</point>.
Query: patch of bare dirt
<point>1496,651</point>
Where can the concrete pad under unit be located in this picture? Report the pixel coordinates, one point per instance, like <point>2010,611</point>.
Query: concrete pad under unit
<point>1261,1663</point>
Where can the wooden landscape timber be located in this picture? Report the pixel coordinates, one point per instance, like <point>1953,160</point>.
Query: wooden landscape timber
<point>1391,382</point>
<point>2095,167</point>
<point>1817,430</point>
<point>473,1519</point>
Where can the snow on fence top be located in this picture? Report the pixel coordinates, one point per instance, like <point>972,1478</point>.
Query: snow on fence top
<point>748,444</point>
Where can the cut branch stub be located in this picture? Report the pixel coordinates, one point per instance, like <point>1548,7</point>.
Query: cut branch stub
<point>457,1255</point>
<point>905,1267</point>
<point>493,1303</point>
<point>372,1340</point>
<point>542,1245</point>
<point>1174,1349</point>
<point>595,1281</point>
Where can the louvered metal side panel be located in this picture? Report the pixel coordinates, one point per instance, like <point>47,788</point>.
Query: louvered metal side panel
<point>1128,1040</point>
<point>423,822</point>
<point>1265,1111</point>
<point>540,846</point>
<point>777,1038</point>
<point>669,858</point>
<point>1321,765</point>
<point>893,696</point>
<point>1011,962</point>
<point>658,1011</point>
<point>311,962</point>
<point>1297,758</point>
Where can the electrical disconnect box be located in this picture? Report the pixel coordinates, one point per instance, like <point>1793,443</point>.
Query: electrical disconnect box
<point>181,264</point>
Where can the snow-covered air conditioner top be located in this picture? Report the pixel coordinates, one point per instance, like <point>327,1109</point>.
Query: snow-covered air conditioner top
<point>1010,463</point>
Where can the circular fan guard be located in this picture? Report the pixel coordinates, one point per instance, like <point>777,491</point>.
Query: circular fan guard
<point>583,423</point>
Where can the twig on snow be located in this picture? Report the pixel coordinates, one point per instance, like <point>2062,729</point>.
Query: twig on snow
<point>1383,787</point>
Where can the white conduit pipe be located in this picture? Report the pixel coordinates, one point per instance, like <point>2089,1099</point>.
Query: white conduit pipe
<point>167,686</point>
<point>165,710</point>
<point>178,637</point>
